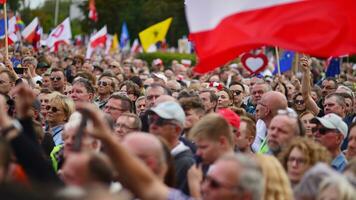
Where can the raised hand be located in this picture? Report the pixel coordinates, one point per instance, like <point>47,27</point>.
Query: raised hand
<point>25,97</point>
<point>5,120</point>
<point>101,129</point>
<point>305,64</point>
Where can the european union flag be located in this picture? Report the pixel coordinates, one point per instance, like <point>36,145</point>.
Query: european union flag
<point>124,37</point>
<point>333,67</point>
<point>2,28</point>
<point>285,62</point>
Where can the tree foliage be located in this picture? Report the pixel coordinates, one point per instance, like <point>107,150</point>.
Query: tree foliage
<point>138,14</point>
<point>45,13</point>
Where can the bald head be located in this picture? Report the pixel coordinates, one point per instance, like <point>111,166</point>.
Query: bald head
<point>269,105</point>
<point>148,148</point>
<point>275,101</point>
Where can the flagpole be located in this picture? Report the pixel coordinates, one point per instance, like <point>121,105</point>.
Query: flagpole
<point>6,36</point>
<point>278,64</point>
<point>296,63</point>
<point>56,11</point>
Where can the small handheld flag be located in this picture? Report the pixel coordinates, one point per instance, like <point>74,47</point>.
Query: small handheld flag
<point>285,62</point>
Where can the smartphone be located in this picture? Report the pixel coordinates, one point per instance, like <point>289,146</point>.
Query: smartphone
<point>19,70</point>
<point>77,145</point>
<point>198,160</point>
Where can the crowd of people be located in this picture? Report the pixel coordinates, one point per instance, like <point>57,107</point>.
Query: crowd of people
<point>117,127</point>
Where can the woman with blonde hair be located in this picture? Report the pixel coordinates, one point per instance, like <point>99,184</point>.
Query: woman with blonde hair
<point>336,187</point>
<point>277,185</point>
<point>59,109</point>
<point>301,155</point>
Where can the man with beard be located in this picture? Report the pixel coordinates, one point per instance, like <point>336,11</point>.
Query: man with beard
<point>283,129</point>
<point>266,109</point>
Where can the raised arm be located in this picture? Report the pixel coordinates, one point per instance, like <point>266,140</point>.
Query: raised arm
<point>26,150</point>
<point>310,104</point>
<point>133,174</point>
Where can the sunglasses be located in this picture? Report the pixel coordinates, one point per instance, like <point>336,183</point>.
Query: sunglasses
<point>236,92</point>
<point>56,78</point>
<point>322,130</point>
<point>103,83</point>
<point>112,66</point>
<point>52,108</point>
<point>155,119</point>
<point>300,102</point>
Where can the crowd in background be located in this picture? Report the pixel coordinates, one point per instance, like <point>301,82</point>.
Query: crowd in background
<point>117,127</point>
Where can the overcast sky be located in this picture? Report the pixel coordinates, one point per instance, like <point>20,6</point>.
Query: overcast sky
<point>35,3</point>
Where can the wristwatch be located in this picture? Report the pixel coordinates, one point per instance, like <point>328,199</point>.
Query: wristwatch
<point>14,125</point>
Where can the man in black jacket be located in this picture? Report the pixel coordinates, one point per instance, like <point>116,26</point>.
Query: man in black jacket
<point>166,120</point>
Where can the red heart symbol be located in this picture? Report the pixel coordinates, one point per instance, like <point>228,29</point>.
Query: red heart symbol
<point>254,63</point>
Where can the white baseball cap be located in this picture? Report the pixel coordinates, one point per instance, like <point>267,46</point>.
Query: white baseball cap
<point>333,121</point>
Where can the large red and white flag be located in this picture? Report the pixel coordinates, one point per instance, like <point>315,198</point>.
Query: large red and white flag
<point>29,32</point>
<point>97,40</point>
<point>61,34</point>
<point>228,28</point>
<point>93,15</point>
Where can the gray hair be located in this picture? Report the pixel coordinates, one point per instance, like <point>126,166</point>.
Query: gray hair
<point>251,179</point>
<point>308,187</point>
<point>338,97</point>
<point>345,189</point>
<point>30,59</point>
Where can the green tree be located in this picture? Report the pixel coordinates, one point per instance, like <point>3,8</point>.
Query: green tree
<point>45,14</point>
<point>138,14</point>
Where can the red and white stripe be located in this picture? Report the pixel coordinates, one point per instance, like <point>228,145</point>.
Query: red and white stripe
<point>97,40</point>
<point>223,29</point>
<point>29,32</point>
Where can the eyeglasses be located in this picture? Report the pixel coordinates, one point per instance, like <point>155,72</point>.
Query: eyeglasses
<point>103,83</point>
<point>300,102</point>
<point>323,130</point>
<point>52,108</point>
<point>299,161</point>
<point>157,120</point>
<point>56,78</point>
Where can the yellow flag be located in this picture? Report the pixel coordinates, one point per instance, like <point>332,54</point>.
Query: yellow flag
<point>154,33</point>
<point>114,44</point>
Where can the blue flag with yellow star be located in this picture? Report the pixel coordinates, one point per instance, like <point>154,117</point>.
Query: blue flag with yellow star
<point>285,62</point>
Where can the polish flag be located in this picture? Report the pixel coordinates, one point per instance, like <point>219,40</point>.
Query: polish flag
<point>228,28</point>
<point>97,40</point>
<point>136,47</point>
<point>61,34</point>
<point>12,37</point>
<point>29,33</point>
<point>93,15</point>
